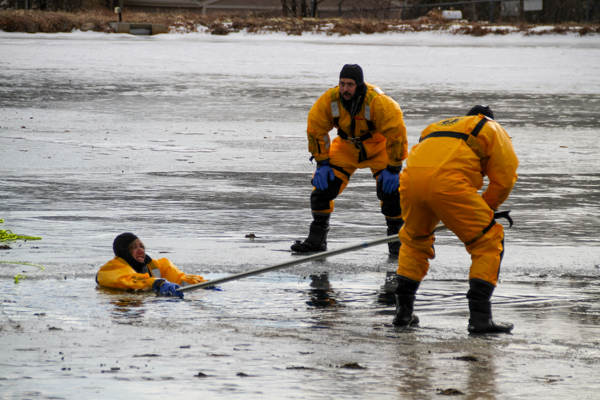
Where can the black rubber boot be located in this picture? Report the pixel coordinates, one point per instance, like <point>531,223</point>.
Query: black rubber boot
<point>317,237</point>
<point>480,308</point>
<point>394,225</point>
<point>405,301</point>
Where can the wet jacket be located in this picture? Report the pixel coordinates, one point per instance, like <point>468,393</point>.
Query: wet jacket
<point>118,274</point>
<point>380,115</point>
<point>475,146</point>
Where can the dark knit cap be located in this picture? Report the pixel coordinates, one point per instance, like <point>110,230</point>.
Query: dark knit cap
<point>122,242</point>
<point>121,249</point>
<point>353,71</point>
<point>485,110</point>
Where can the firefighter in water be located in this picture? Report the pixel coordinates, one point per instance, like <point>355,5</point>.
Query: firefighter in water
<point>440,182</point>
<point>370,134</point>
<point>133,269</point>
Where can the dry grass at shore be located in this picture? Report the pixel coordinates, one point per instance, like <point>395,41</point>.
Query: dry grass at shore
<point>183,22</point>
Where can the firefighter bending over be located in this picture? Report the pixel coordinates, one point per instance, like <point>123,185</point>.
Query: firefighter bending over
<point>440,182</point>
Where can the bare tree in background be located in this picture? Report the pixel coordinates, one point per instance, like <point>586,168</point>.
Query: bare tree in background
<point>284,8</point>
<point>369,8</point>
<point>303,8</point>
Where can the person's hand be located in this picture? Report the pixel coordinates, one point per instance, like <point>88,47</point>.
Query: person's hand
<point>323,175</point>
<point>170,289</point>
<point>390,179</point>
<point>166,288</point>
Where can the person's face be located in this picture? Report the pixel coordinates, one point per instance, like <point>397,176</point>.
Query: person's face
<point>138,250</point>
<point>347,88</point>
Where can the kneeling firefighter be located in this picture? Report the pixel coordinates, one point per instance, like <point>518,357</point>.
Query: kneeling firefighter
<point>440,183</point>
<point>371,134</point>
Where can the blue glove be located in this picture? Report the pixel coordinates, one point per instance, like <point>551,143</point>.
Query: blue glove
<point>166,288</point>
<point>390,179</point>
<point>323,175</point>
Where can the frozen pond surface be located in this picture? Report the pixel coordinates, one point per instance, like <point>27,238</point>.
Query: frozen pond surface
<point>194,141</point>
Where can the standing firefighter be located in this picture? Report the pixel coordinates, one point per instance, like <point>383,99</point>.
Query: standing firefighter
<point>444,171</point>
<point>371,134</point>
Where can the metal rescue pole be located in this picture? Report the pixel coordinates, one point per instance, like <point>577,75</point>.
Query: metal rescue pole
<point>319,256</point>
<point>314,257</point>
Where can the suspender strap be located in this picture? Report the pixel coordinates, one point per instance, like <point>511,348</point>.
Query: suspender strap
<point>487,228</point>
<point>456,135</point>
<point>362,138</point>
<point>469,139</point>
<point>362,154</point>
<point>497,215</point>
<point>356,141</point>
<point>483,232</point>
<point>340,169</point>
<point>478,127</point>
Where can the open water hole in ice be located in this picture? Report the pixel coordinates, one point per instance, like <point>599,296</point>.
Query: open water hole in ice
<point>195,142</point>
<point>279,336</point>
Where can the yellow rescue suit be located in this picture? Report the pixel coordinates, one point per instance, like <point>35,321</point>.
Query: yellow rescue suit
<point>118,274</point>
<point>378,140</point>
<point>440,183</point>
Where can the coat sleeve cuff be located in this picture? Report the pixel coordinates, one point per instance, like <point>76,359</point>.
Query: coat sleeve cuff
<point>394,169</point>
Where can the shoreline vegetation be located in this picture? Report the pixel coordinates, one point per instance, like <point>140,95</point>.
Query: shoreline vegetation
<point>34,21</point>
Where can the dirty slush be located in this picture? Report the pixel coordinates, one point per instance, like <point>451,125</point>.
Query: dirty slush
<point>195,142</point>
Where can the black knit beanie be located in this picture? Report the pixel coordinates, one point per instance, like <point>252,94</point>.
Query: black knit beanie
<point>485,110</point>
<point>353,106</point>
<point>121,249</point>
<point>353,71</point>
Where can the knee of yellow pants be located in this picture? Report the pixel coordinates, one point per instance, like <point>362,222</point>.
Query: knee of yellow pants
<point>415,253</point>
<point>486,255</point>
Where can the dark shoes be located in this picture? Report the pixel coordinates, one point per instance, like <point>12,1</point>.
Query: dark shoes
<point>308,247</point>
<point>404,311</point>
<point>481,319</point>
<point>405,302</point>
<point>490,327</point>
<point>317,237</point>
<point>480,308</point>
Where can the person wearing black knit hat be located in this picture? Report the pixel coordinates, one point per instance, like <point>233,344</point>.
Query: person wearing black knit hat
<point>370,134</point>
<point>441,182</point>
<point>132,268</point>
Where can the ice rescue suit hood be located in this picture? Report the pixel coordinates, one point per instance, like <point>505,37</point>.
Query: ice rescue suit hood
<point>121,249</point>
